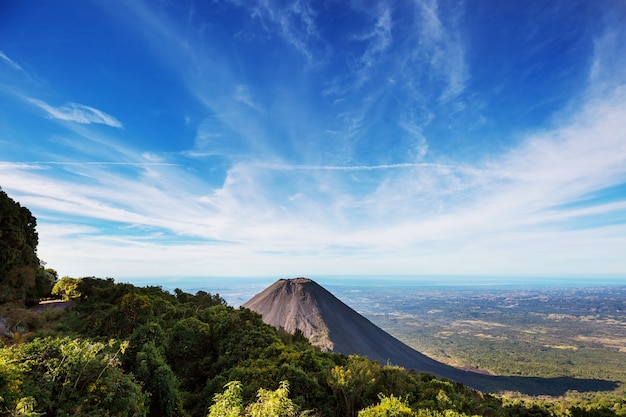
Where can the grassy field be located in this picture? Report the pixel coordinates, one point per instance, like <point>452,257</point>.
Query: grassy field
<point>548,332</point>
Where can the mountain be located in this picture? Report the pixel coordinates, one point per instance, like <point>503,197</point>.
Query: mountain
<point>301,303</point>
<point>331,325</point>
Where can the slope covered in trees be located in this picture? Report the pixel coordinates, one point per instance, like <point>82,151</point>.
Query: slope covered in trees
<point>22,276</point>
<point>122,350</point>
<point>301,303</point>
<point>174,352</point>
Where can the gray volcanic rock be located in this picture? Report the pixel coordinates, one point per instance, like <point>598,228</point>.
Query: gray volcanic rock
<point>299,303</point>
<point>328,323</point>
<point>331,325</point>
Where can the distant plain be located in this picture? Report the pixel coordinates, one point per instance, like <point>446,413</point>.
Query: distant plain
<point>547,328</point>
<point>527,331</point>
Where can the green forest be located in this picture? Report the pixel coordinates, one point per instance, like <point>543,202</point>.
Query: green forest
<point>116,349</point>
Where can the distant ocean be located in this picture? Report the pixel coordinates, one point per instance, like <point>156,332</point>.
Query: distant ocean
<point>238,290</point>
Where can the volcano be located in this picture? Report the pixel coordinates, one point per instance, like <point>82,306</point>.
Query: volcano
<point>331,325</point>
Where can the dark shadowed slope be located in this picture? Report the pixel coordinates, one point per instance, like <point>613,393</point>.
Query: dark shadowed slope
<point>301,303</point>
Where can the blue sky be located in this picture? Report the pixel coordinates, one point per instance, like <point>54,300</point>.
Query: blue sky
<point>322,138</point>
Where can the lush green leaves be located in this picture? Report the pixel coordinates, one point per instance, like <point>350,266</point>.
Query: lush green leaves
<point>157,378</point>
<point>388,407</point>
<point>67,288</point>
<point>184,348</point>
<point>268,404</point>
<point>68,377</point>
<point>229,403</point>
<point>22,276</point>
<point>273,403</point>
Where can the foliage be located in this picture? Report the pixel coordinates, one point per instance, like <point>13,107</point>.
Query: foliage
<point>22,276</point>
<point>26,407</point>
<point>123,350</point>
<point>268,404</point>
<point>67,288</point>
<point>157,378</point>
<point>69,377</point>
<point>273,403</point>
<point>11,380</point>
<point>183,350</point>
<point>351,382</point>
<point>388,407</point>
<point>189,350</point>
<point>229,403</point>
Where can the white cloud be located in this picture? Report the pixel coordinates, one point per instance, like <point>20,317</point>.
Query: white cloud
<point>242,95</point>
<point>286,167</point>
<point>508,215</point>
<point>378,39</point>
<point>609,55</point>
<point>295,23</point>
<point>78,113</point>
<point>519,200</point>
<point>440,44</point>
<point>9,61</point>
<point>19,166</point>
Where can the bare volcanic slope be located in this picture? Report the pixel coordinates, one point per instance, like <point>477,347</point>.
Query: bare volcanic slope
<point>301,303</point>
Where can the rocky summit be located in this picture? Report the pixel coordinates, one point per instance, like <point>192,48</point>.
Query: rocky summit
<point>331,325</point>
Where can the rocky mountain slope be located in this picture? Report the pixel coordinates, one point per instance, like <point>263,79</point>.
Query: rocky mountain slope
<point>330,324</point>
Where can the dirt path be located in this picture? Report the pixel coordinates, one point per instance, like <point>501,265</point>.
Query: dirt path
<point>42,306</point>
<point>52,305</point>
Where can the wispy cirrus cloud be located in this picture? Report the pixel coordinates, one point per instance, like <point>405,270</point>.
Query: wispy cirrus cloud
<point>243,95</point>
<point>294,22</point>
<point>438,43</point>
<point>78,113</point>
<point>610,53</point>
<point>318,205</point>
<point>377,39</point>
<point>286,167</point>
<point>43,164</point>
<point>9,61</point>
<point>428,217</point>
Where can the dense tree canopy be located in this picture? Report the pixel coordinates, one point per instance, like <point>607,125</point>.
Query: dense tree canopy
<point>67,287</point>
<point>69,377</point>
<point>183,353</point>
<point>122,350</point>
<point>22,276</point>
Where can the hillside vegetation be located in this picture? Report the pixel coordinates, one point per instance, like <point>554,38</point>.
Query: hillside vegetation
<point>533,331</point>
<point>301,303</point>
<point>122,350</point>
<point>22,275</point>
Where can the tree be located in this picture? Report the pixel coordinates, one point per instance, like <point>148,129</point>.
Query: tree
<point>135,309</point>
<point>228,403</point>
<point>268,404</point>
<point>189,350</point>
<point>45,281</point>
<point>67,288</point>
<point>69,377</point>
<point>159,380</point>
<point>273,403</point>
<point>351,382</point>
<point>22,276</point>
<point>388,407</point>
